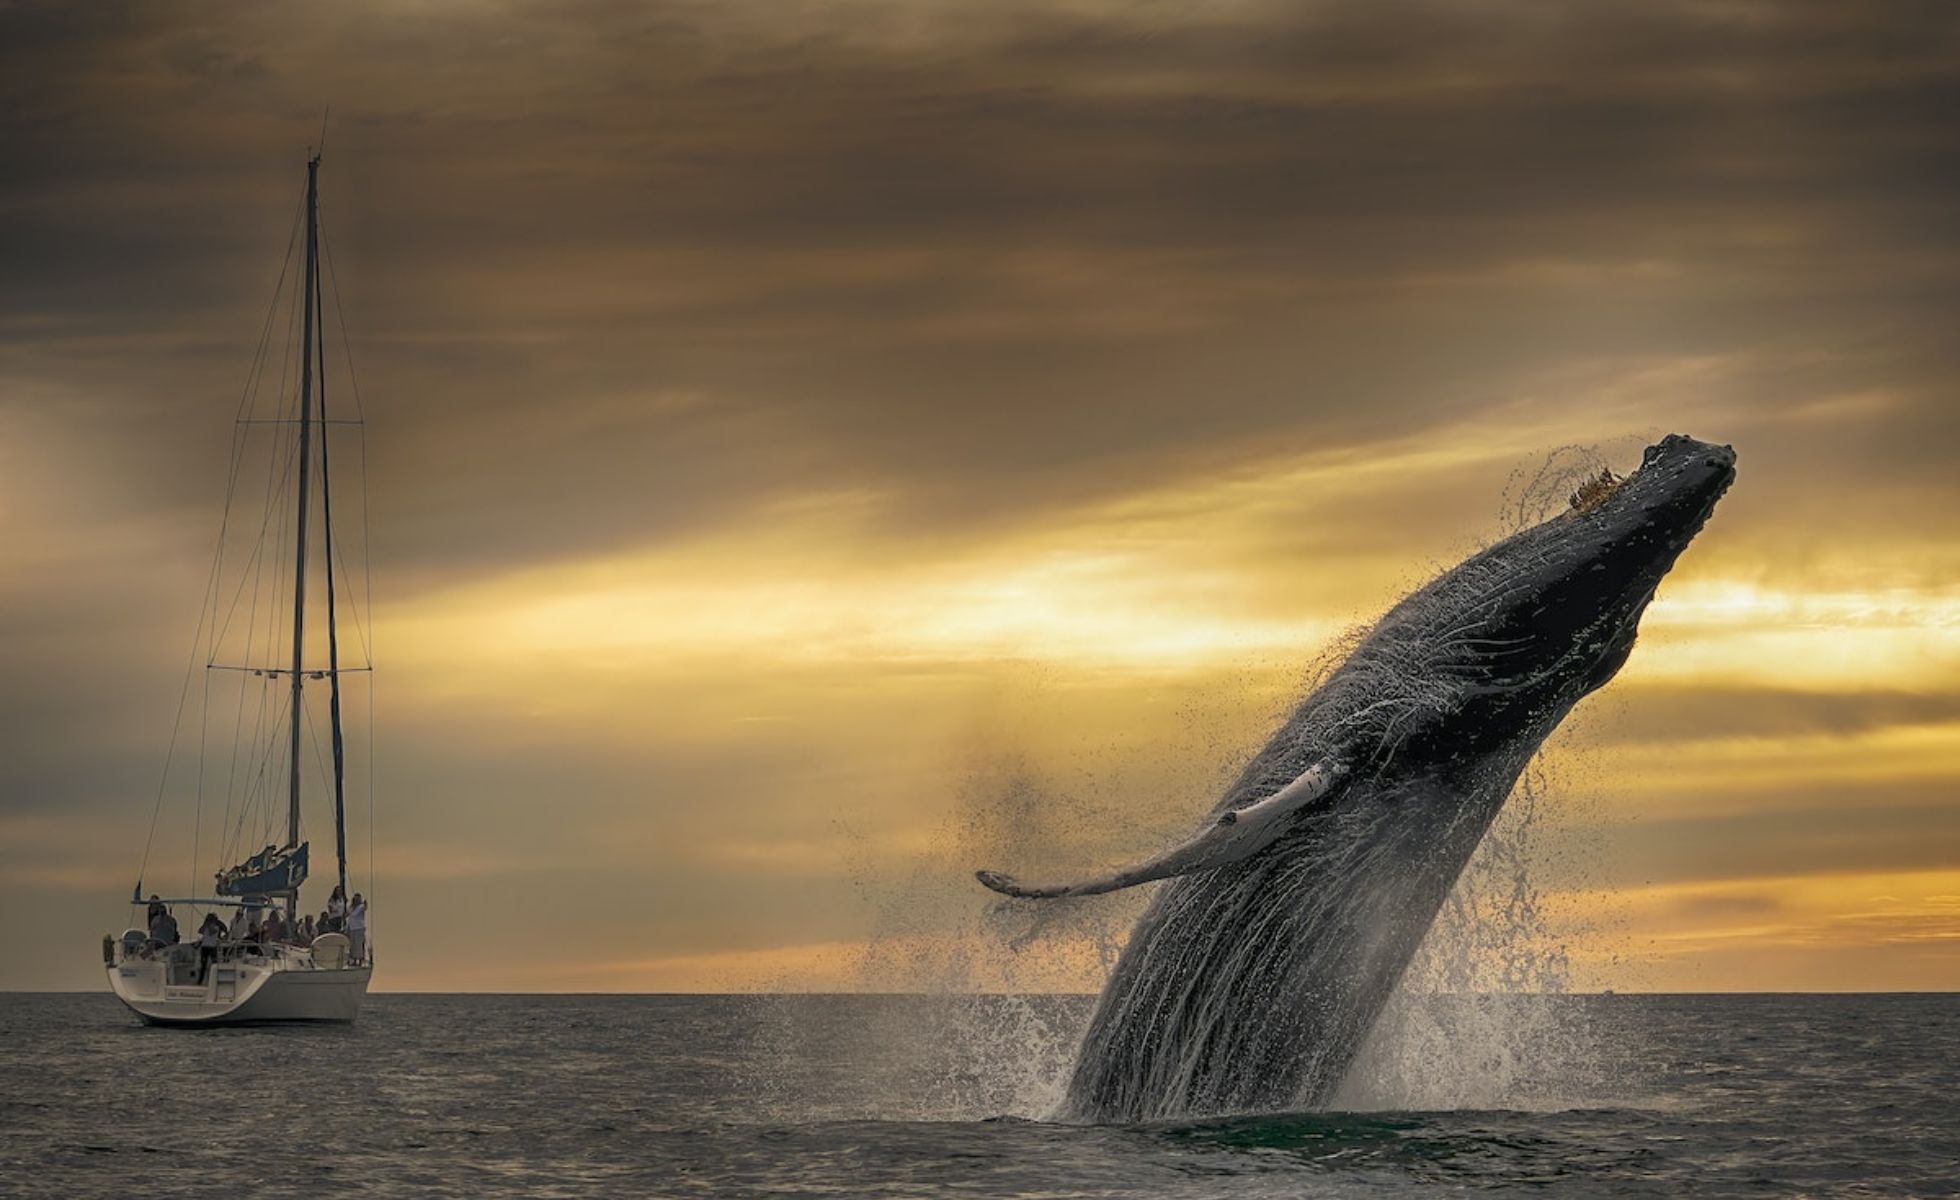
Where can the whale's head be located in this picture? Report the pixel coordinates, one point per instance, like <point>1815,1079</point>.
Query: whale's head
<point>1553,610</point>
<point>1468,675</point>
<point>1617,549</point>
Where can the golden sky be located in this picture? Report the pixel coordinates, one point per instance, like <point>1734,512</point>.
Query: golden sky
<point>821,448</point>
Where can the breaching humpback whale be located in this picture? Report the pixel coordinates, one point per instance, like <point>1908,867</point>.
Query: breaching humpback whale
<point>1257,971</point>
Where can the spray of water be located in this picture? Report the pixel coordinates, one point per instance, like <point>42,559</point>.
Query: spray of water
<point>960,1011</point>
<point>1476,1022</point>
<point>995,1011</point>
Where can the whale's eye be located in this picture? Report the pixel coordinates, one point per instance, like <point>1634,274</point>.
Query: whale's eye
<point>1596,489</point>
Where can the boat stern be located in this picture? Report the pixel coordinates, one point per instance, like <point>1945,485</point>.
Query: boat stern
<point>171,985</point>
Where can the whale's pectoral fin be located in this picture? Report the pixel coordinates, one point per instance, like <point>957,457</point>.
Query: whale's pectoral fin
<point>1007,885</point>
<point>1237,835</point>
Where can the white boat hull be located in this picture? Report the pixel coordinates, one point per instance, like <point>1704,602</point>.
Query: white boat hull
<point>287,987</point>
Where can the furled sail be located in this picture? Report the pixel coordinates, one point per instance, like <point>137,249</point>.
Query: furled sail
<point>269,872</point>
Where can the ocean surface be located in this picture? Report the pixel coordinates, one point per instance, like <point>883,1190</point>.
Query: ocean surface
<point>943,1096</point>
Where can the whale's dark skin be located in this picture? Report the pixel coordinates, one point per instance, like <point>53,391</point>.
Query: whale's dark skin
<point>1250,986</point>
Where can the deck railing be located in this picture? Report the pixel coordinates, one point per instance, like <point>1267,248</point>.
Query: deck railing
<point>136,947</point>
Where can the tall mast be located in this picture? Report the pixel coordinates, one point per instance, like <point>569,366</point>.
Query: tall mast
<point>333,624</point>
<point>305,461</point>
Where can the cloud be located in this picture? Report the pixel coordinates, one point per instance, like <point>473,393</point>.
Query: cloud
<point>774,407</point>
<point>1852,930</point>
<point>983,261</point>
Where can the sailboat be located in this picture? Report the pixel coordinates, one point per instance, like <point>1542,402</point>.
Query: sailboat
<point>270,964</point>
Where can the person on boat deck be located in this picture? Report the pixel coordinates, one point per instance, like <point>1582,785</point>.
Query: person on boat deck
<point>336,913</point>
<point>357,929</point>
<point>163,929</point>
<point>209,934</point>
<point>275,926</point>
<point>303,932</point>
<point>156,910</point>
<point>241,925</point>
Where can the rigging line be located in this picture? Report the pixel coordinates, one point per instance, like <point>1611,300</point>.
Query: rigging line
<point>340,320</point>
<point>272,460</point>
<point>265,522</point>
<point>277,752</point>
<point>248,394</point>
<point>368,580</point>
<point>278,748</point>
<point>353,607</point>
<point>278,500</point>
<point>257,551</point>
<point>257,573</point>
<point>307,672</point>
<point>204,608</point>
<point>170,753</point>
<point>319,755</point>
<point>337,549</point>
<point>267,817</point>
<point>251,571</point>
<point>367,574</point>
<point>333,628</point>
<point>208,615</point>
<point>370,786</point>
<point>245,810</point>
<point>367,564</point>
<point>278,289</point>
<point>231,766</point>
<point>258,548</point>
<point>354,384</point>
<point>232,782</point>
<point>259,750</point>
<point>238,720</point>
<point>197,819</point>
<point>354,610</point>
<point>360,411</point>
<point>255,372</point>
<point>235,792</point>
<point>207,605</point>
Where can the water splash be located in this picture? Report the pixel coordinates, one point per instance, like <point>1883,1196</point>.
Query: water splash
<point>1534,493</point>
<point>977,1014</point>
<point>1476,1022</point>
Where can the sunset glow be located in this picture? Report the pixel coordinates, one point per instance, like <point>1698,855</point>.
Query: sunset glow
<point>801,476</point>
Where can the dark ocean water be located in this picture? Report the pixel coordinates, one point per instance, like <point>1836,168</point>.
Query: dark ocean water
<point>925,1096</point>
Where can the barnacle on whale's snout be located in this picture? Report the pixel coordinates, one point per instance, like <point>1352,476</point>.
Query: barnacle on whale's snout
<point>1596,489</point>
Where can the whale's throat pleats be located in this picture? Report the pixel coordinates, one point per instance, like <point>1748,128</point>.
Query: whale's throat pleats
<point>1233,837</point>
